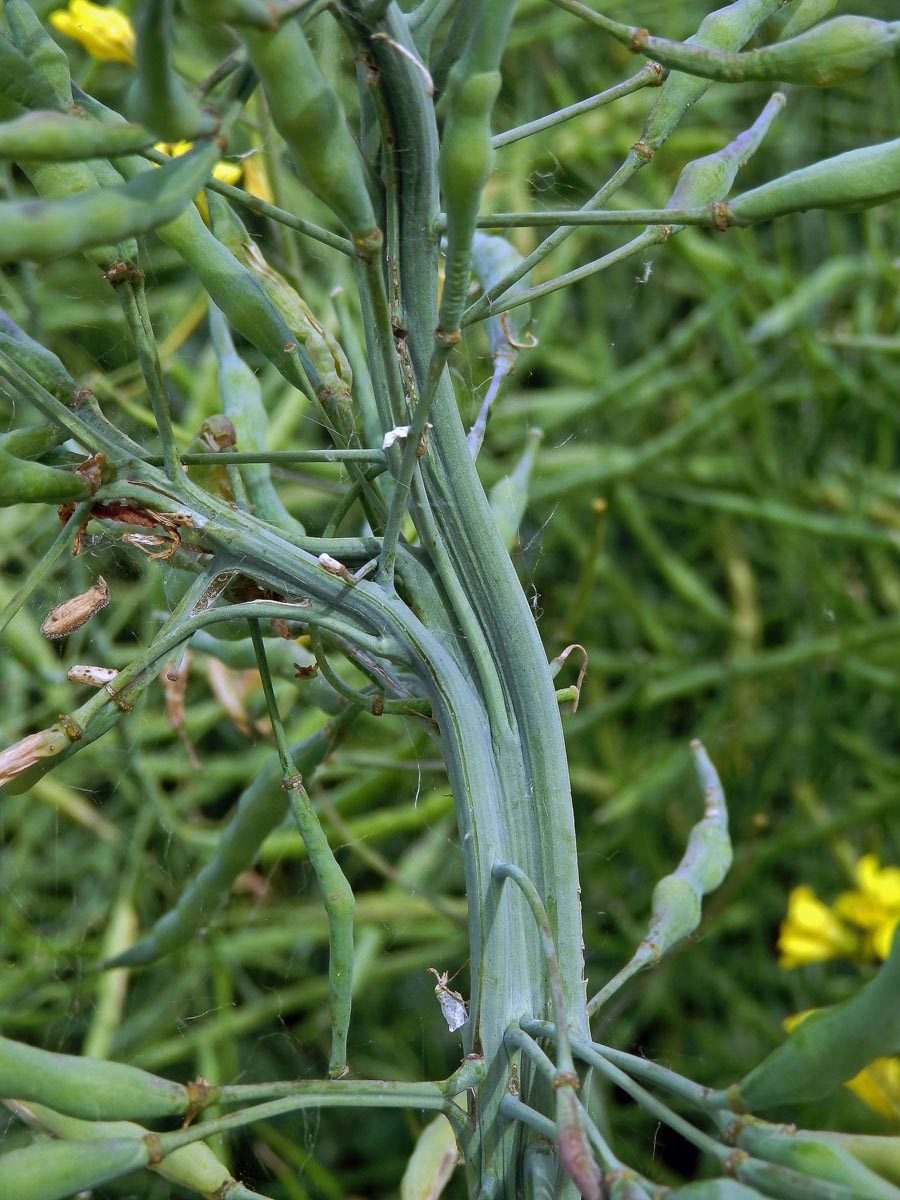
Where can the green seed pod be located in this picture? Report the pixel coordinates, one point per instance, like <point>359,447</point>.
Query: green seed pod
<point>242,401</point>
<point>194,1167</point>
<point>45,230</point>
<point>816,1159</point>
<point>509,497</point>
<point>492,259</point>
<point>256,14</point>
<point>879,1153</point>
<point>855,180</point>
<point>216,434</point>
<point>20,81</point>
<point>710,179</point>
<point>64,181</point>
<point>43,54</point>
<point>797,17</point>
<point>158,98</point>
<point>59,137</point>
<point>466,159</point>
<point>309,116</point>
<point>23,482</point>
<point>725,29</point>
<point>86,1087</point>
<point>323,349</point>
<point>833,52</point>
<point>39,362</point>
<point>33,440</point>
<point>829,1047</point>
<point>262,806</point>
<point>54,1170</point>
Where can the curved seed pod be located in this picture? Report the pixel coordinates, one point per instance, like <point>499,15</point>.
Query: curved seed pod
<point>45,230</point>
<point>40,363</point>
<point>86,1087</point>
<point>194,1167</point>
<point>817,1159</point>
<point>16,759</point>
<point>710,178</point>
<point>52,1171</point>
<point>829,1047</point>
<point>309,116</point>
<point>262,806</point>
<point>509,497</point>
<point>677,898</point>
<point>242,401</point>
<point>879,1153</point>
<point>23,482</point>
<point>854,180</point>
<point>323,349</point>
<point>434,1159</point>
<point>43,54</point>
<point>727,28</point>
<point>833,52</point>
<point>58,137</point>
<point>158,98</point>
<point>797,17</point>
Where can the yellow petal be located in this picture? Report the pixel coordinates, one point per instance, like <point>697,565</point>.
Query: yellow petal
<point>878,1086</point>
<point>227,172</point>
<point>811,932</point>
<point>105,33</point>
<point>256,178</point>
<point>884,936</point>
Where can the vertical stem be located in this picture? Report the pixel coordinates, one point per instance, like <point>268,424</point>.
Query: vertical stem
<point>134,304</point>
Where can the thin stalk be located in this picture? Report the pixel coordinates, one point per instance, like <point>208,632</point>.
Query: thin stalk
<point>376,704</point>
<point>273,457</point>
<point>572,218</point>
<point>564,1064</point>
<point>281,215</point>
<point>336,891</point>
<point>629,168</point>
<point>134,303</point>
<point>649,75</point>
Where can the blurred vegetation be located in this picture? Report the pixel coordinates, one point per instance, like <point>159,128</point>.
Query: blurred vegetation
<point>715,516</point>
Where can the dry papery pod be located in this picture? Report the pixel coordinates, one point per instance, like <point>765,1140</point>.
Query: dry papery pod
<point>65,618</point>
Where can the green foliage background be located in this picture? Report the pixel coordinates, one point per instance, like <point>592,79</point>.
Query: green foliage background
<point>714,516</point>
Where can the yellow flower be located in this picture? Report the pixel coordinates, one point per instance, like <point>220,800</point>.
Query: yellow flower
<point>256,178</point>
<point>875,905</point>
<point>811,932</point>
<point>105,33</point>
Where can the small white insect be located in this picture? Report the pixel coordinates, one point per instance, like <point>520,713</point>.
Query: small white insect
<point>452,1004</point>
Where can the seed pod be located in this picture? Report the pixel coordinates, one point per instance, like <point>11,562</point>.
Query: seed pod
<point>509,497</point>
<point>309,116</point>
<point>836,51</point>
<point>727,28</point>
<point>432,1162</point>
<point>44,55</point>
<point>65,618</point>
<point>58,137</point>
<point>829,1047</point>
<point>194,1167</point>
<point>33,440</point>
<point>242,401</point>
<point>41,364</point>
<point>20,81</point>
<point>87,1087</point>
<point>326,354</point>
<point>816,1159</point>
<point>158,98</point>
<point>54,1170</point>
<point>855,180</point>
<point>879,1153</point>
<point>44,230</point>
<point>262,806</point>
<point>23,482</point>
<point>575,1154</point>
<point>257,14</point>
<point>797,17</point>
